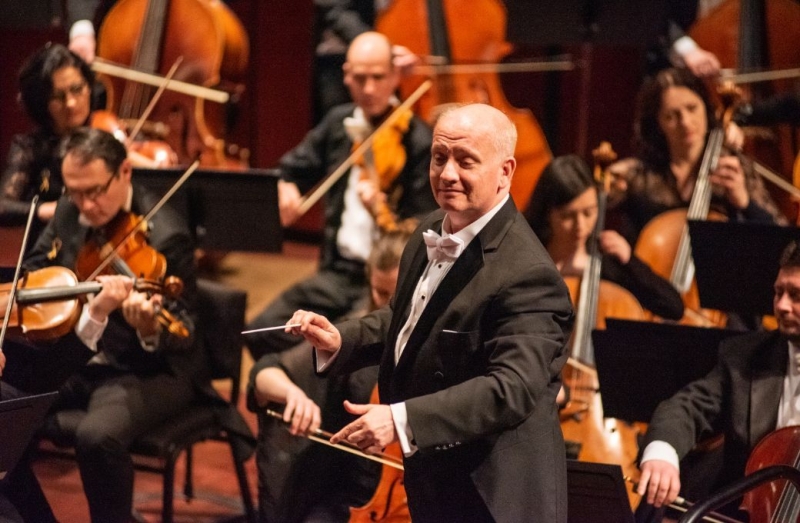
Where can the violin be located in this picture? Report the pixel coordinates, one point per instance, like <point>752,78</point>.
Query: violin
<point>601,440</point>
<point>122,248</point>
<point>360,151</point>
<point>142,153</point>
<point>46,304</point>
<point>382,163</point>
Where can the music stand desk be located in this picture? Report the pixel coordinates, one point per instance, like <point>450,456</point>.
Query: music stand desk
<point>225,210</point>
<point>736,263</point>
<point>596,493</point>
<point>640,364</point>
<point>19,420</point>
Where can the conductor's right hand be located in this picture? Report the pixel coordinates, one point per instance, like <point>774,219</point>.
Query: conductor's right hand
<point>316,329</point>
<point>660,480</point>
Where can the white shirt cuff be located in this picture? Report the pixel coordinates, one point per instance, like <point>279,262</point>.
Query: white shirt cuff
<point>150,343</point>
<point>403,429</point>
<point>683,46</point>
<point>81,28</point>
<point>324,358</point>
<point>663,451</point>
<point>89,330</point>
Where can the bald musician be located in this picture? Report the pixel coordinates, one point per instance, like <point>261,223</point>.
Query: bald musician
<point>350,228</point>
<point>470,348</point>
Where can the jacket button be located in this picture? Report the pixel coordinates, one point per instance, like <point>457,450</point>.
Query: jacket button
<point>438,375</point>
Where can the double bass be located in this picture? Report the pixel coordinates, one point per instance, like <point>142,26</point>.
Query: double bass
<point>466,31</point>
<point>150,36</point>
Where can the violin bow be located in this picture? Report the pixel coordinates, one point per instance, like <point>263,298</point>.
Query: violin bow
<point>319,191</point>
<point>126,73</point>
<point>13,292</point>
<point>144,219</point>
<point>321,436</point>
<point>153,101</point>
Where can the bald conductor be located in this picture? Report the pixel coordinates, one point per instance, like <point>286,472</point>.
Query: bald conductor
<point>470,348</point>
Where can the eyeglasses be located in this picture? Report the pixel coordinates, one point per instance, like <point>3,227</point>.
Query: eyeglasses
<point>74,90</point>
<point>89,194</point>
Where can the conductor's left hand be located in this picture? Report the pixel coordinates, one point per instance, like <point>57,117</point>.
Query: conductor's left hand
<point>372,432</point>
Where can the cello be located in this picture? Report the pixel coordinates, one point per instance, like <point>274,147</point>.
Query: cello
<point>774,502</point>
<point>664,242</point>
<point>150,36</point>
<point>460,31</point>
<point>749,36</point>
<point>601,440</point>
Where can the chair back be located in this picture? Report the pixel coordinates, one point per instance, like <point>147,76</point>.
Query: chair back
<point>221,319</point>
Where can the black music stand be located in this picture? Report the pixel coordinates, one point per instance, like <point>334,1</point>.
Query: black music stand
<point>20,418</point>
<point>736,263</point>
<point>640,364</point>
<point>226,210</point>
<point>596,493</point>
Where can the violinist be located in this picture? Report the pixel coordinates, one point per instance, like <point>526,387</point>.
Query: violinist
<point>141,375</point>
<point>350,228</point>
<point>301,480</point>
<point>56,90</point>
<point>752,390</point>
<point>674,117</point>
<point>336,24</point>
<point>563,213</point>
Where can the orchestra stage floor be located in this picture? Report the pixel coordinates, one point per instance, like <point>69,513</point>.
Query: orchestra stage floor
<point>263,276</point>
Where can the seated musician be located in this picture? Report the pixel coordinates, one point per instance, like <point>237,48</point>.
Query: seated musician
<point>55,89</point>
<point>350,228</point>
<point>674,117</point>
<point>751,391</point>
<point>563,214</point>
<point>27,369</point>
<point>301,480</point>
<point>140,376</point>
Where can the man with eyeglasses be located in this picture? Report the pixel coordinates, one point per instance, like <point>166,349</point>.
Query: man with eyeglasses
<point>140,374</point>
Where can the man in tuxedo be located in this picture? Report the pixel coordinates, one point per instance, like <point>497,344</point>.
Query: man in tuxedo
<point>470,348</point>
<point>350,224</point>
<point>752,391</point>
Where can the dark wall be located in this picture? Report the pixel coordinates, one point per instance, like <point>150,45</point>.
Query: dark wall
<point>576,109</point>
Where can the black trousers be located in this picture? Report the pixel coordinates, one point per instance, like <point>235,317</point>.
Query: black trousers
<point>102,411</point>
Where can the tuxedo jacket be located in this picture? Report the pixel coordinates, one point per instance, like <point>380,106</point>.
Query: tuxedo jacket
<point>327,146</point>
<point>739,397</point>
<point>479,373</point>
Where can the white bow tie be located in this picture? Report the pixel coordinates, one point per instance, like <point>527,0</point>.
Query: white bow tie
<point>439,248</point>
